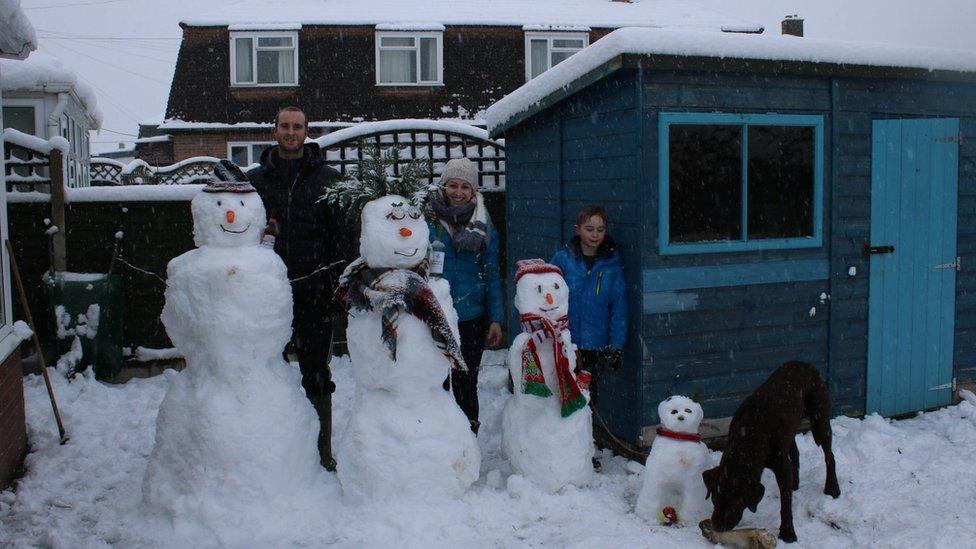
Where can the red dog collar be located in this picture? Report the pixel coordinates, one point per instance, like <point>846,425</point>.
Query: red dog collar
<point>662,432</point>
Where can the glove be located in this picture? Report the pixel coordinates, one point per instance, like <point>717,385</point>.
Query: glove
<point>613,357</point>
<point>583,380</point>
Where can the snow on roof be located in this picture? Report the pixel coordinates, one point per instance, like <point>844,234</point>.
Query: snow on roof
<point>155,139</point>
<point>725,46</point>
<point>42,72</point>
<point>573,13</point>
<point>17,38</point>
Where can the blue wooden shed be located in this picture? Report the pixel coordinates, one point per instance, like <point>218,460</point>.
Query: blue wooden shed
<point>775,198</point>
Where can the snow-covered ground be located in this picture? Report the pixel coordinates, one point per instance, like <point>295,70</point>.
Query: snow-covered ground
<point>904,484</point>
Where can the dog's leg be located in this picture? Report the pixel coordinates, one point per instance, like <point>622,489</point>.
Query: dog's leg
<point>819,412</point>
<point>784,474</point>
<point>795,460</point>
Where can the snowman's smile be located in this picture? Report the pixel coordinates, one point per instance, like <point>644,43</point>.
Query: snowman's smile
<point>543,309</point>
<point>244,230</point>
<point>404,254</point>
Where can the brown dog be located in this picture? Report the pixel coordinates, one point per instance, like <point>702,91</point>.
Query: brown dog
<point>762,435</point>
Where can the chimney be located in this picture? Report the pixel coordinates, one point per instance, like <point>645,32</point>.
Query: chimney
<point>792,26</point>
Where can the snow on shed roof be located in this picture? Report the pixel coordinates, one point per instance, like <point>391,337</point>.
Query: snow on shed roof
<point>684,43</point>
<point>17,38</point>
<point>42,72</point>
<point>574,13</point>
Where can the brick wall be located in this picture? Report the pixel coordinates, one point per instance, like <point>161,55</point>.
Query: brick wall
<point>13,429</point>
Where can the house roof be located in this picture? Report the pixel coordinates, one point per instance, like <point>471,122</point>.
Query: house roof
<point>44,73</point>
<point>17,38</point>
<point>536,14</point>
<point>603,57</point>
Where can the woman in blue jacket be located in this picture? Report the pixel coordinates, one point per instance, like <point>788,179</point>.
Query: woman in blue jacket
<point>597,296</point>
<point>470,248</point>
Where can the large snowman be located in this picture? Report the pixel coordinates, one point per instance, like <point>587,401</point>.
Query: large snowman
<point>547,433</point>
<point>406,435</point>
<point>234,427</point>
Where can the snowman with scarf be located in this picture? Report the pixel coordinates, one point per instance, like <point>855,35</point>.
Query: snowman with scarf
<point>234,427</point>
<point>547,431</point>
<point>406,436</point>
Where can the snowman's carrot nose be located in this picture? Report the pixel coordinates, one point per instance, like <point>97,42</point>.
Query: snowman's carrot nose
<point>549,299</point>
<point>405,232</point>
<point>230,216</point>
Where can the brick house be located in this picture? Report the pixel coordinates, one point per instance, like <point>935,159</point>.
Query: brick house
<point>348,61</point>
<point>17,40</point>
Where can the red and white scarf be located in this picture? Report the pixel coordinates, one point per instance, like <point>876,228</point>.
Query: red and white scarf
<point>539,327</point>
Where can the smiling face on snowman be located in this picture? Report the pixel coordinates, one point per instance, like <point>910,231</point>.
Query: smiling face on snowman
<point>544,293</point>
<point>228,216</point>
<point>394,234</point>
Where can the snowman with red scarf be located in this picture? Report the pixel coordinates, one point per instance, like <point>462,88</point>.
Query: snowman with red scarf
<point>673,491</point>
<point>547,431</point>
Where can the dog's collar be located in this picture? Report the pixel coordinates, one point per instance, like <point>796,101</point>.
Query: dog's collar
<point>662,432</point>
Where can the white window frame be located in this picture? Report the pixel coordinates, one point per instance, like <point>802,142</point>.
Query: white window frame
<point>549,37</point>
<point>8,340</point>
<point>234,82</point>
<point>249,145</point>
<point>416,35</point>
<point>40,128</point>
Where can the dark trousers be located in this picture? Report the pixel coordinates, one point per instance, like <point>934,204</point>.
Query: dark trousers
<point>592,362</point>
<point>312,337</point>
<point>465,384</point>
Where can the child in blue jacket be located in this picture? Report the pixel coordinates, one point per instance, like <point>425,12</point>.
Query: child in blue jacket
<point>597,296</point>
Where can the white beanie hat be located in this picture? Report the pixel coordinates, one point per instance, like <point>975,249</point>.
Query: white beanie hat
<point>460,168</point>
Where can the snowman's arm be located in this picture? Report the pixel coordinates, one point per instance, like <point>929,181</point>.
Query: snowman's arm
<point>570,350</point>
<point>515,359</point>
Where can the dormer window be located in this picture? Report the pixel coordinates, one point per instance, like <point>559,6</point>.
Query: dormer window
<point>546,50</point>
<point>264,58</point>
<point>409,58</point>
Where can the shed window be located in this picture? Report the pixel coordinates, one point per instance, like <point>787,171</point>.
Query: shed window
<point>740,182</point>
<point>544,51</point>
<point>264,59</point>
<point>246,153</point>
<point>409,59</point>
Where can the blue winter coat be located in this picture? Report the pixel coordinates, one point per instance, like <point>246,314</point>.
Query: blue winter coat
<point>476,285</point>
<point>597,297</point>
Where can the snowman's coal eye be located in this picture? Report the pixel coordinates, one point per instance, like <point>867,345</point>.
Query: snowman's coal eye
<point>687,411</point>
<point>218,203</point>
<point>414,215</point>
<point>393,215</point>
<point>242,202</point>
<point>557,285</point>
<point>674,412</point>
<point>539,288</point>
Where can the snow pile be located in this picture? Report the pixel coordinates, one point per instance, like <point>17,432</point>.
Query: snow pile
<point>18,38</point>
<point>235,432</point>
<point>904,484</point>
<point>687,43</point>
<point>43,72</point>
<point>548,449</point>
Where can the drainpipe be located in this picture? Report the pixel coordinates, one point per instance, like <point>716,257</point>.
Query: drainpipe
<point>55,117</point>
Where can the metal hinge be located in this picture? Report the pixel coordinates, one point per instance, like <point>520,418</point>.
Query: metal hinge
<point>957,265</point>
<point>949,139</point>
<point>951,385</point>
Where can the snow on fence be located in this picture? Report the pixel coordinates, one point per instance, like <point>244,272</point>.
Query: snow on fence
<point>27,160</point>
<point>436,140</point>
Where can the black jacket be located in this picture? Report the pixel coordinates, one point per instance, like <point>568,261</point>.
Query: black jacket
<point>309,231</point>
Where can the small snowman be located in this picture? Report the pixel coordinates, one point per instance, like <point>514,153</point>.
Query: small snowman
<point>673,491</point>
<point>406,436</point>
<point>234,427</point>
<point>547,433</point>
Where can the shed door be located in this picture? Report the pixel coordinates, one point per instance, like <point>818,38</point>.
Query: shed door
<point>914,171</point>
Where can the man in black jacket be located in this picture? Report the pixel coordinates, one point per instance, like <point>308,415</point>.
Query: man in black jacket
<point>291,180</point>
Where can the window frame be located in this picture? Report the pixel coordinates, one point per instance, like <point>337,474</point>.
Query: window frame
<point>254,36</point>
<point>250,150</point>
<point>8,339</point>
<point>549,36</point>
<point>416,35</point>
<point>666,119</point>
<point>40,128</point>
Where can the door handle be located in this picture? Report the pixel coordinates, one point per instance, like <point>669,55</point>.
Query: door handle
<point>869,250</point>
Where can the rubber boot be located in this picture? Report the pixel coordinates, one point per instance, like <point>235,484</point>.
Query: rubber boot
<point>323,407</point>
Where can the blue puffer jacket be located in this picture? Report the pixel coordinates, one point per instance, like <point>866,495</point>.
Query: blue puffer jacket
<point>597,297</point>
<point>476,284</point>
